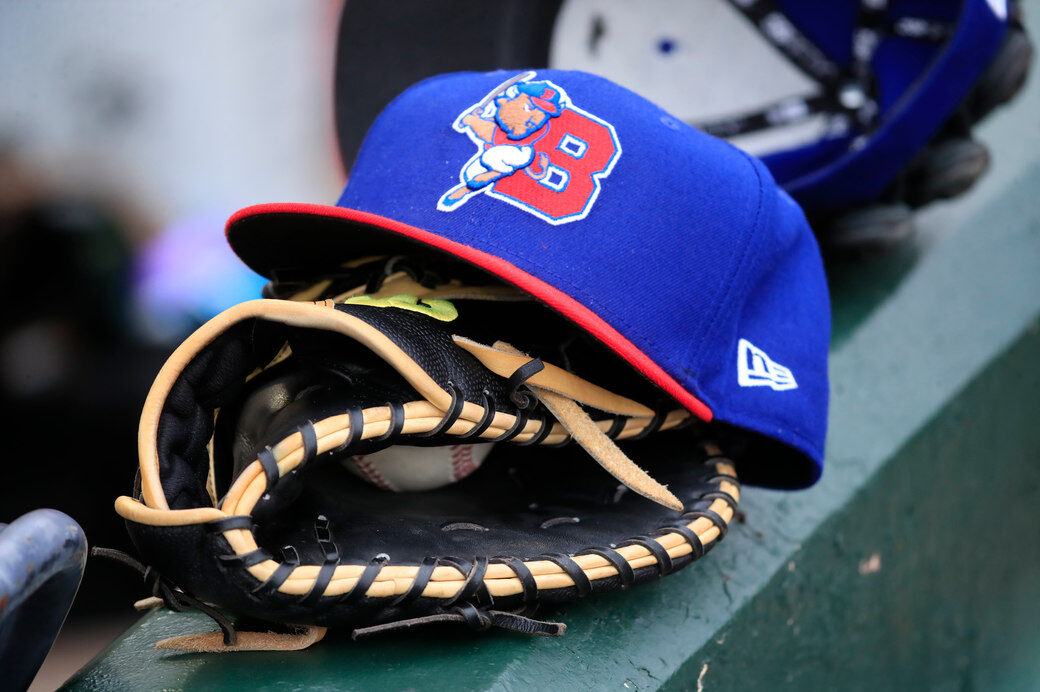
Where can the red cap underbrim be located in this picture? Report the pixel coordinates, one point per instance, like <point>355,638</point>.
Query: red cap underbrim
<point>288,236</point>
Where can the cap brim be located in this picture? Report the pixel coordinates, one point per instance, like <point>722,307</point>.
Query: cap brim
<point>313,237</point>
<point>276,239</point>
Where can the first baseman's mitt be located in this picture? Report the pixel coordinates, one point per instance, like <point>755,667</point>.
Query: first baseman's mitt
<point>243,501</point>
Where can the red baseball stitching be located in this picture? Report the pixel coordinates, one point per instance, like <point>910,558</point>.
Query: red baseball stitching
<point>462,463</point>
<point>372,474</point>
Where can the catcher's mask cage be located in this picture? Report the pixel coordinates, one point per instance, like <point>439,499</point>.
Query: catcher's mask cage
<point>296,540</point>
<point>861,109</point>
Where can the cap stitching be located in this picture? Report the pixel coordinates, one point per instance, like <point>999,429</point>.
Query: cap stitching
<point>727,293</point>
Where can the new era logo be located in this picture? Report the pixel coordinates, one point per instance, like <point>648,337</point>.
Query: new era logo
<point>756,369</point>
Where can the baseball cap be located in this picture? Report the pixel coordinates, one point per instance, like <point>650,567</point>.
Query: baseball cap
<point>673,248</point>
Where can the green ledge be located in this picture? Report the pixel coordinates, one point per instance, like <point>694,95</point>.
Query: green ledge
<point>914,563</point>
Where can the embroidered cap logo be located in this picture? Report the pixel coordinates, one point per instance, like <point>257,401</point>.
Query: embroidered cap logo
<point>756,369</point>
<point>535,150</point>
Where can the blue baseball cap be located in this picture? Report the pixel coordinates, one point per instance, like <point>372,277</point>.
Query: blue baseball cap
<point>673,248</point>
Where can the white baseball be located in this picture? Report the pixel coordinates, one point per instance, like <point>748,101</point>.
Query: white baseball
<point>403,469</point>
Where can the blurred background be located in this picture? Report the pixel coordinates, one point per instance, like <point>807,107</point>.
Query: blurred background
<point>129,132</point>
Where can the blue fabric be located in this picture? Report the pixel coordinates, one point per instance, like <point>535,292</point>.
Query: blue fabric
<point>688,246</point>
<point>829,24</point>
<point>792,164</point>
<point>920,84</point>
<point>898,63</point>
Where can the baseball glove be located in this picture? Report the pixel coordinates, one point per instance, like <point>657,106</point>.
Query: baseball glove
<point>253,495</point>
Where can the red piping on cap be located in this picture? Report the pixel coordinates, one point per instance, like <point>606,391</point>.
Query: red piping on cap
<point>554,297</point>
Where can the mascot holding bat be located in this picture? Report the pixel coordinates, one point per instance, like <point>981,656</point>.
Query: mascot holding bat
<point>529,127</point>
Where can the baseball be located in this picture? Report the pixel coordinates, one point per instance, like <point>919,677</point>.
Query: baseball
<point>403,469</point>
